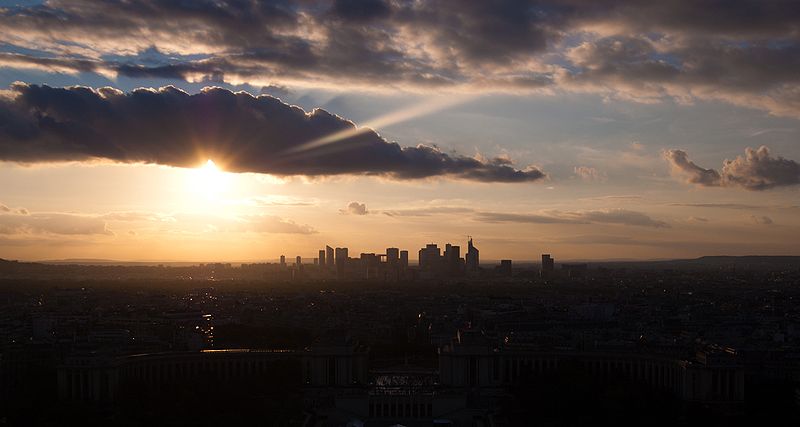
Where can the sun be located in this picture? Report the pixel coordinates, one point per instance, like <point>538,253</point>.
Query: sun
<point>209,181</point>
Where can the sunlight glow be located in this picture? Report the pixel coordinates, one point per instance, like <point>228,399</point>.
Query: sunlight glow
<point>209,182</point>
<point>427,107</point>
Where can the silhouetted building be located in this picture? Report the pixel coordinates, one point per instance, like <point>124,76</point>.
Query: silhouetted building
<point>283,260</point>
<point>472,257</point>
<point>321,257</point>
<point>452,260</point>
<point>341,262</point>
<point>392,256</point>
<point>298,261</point>
<point>504,269</point>
<point>329,259</point>
<point>548,265</point>
<point>429,258</point>
<point>404,260</point>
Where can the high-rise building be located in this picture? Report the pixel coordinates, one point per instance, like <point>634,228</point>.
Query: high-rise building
<point>298,261</point>
<point>329,260</point>
<point>452,259</point>
<point>283,260</point>
<point>548,264</point>
<point>341,262</point>
<point>404,260</point>
<point>473,262</point>
<point>321,258</point>
<point>392,256</point>
<point>429,257</point>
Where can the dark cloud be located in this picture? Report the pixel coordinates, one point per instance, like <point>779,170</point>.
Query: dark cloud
<point>742,51</point>
<point>610,216</point>
<point>239,131</point>
<point>355,208</point>
<point>756,170</point>
<point>763,220</point>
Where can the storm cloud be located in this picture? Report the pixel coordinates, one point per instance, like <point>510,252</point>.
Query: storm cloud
<point>241,132</point>
<point>741,51</point>
<point>757,170</point>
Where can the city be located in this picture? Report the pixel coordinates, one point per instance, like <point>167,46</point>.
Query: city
<point>376,340</point>
<point>399,213</point>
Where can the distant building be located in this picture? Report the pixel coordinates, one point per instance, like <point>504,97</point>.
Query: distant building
<point>505,268</point>
<point>404,260</point>
<point>548,264</point>
<point>321,258</point>
<point>473,261</point>
<point>283,260</point>
<point>329,260</point>
<point>429,257</point>
<point>341,262</point>
<point>392,256</point>
<point>298,261</point>
<point>452,259</point>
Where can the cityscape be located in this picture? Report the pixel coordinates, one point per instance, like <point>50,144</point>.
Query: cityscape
<point>377,340</point>
<point>399,213</point>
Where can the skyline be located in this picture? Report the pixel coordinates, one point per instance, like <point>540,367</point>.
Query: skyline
<point>241,131</point>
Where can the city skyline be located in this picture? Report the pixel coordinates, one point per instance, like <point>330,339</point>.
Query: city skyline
<point>238,131</point>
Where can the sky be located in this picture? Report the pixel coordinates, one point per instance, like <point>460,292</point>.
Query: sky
<point>239,130</point>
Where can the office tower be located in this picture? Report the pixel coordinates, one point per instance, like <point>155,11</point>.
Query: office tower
<point>321,259</point>
<point>452,259</point>
<point>403,260</point>
<point>341,262</point>
<point>473,262</point>
<point>298,261</point>
<point>329,260</point>
<point>283,260</point>
<point>429,257</point>
<point>392,256</point>
<point>505,268</point>
<point>548,264</point>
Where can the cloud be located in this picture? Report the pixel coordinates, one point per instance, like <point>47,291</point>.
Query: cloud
<point>4,208</point>
<point>589,174</point>
<point>52,223</point>
<point>763,220</point>
<point>428,211</point>
<point>355,208</point>
<point>694,174</point>
<point>744,52</point>
<point>756,170</point>
<point>609,216</point>
<point>274,224</point>
<point>241,132</point>
<point>496,217</point>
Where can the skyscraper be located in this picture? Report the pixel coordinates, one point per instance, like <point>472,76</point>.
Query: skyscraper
<point>404,260</point>
<point>298,261</point>
<point>321,258</point>
<point>283,260</point>
<point>429,257</point>
<point>548,264</point>
<point>329,260</point>
<point>472,257</point>
<point>341,262</point>
<point>392,256</point>
<point>452,259</point>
